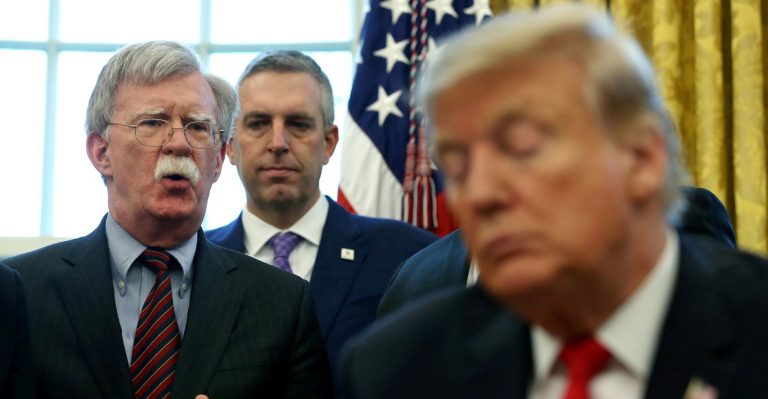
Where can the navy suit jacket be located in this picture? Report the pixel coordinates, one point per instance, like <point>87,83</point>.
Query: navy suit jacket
<point>251,329</point>
<point>462,344</point>
<point>15,359</point>
<point>347,292</point>
<point>445,263</point>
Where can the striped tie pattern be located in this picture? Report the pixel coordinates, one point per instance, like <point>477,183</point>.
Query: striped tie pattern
<point>157,341</point>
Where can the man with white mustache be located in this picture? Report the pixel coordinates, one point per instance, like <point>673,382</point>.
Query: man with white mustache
<point>145,306</point>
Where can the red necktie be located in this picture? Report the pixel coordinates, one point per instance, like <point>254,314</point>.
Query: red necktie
<point>583,358</point>
<point>157,341</point>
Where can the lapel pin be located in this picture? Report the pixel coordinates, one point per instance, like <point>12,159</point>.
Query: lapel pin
<point>700,389</point>
<point>347,254</point>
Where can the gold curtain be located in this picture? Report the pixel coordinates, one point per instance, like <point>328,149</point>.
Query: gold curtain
<point>711,58</point>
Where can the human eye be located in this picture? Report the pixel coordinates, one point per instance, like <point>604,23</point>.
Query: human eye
<point>452,161</point>
<point>151,123</point>
<point>300,124</point>
<point>199,127</point>
<point>522,137</point>
<point>256,124</point>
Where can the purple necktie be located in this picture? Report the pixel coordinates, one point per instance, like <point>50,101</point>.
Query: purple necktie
<point>283,244</point>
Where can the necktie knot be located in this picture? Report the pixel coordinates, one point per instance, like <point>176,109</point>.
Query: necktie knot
<point>283,244</point>
<point>157,260</point>
<point>583,358</point>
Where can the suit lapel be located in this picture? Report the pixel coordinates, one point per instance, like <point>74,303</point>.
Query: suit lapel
<point>231,236</point>
<point>333,276</point>
<point>696,339</point>
<point>88,297</point>
<point>499,355</point>
<point>213,310</point>
<point>456,260</point>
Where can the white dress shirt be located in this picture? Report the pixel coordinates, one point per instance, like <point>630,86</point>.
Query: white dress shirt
<point>310,227</point>
<point>631,334</point>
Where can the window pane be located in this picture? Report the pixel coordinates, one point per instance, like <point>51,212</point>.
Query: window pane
<point>117,21</point>
<point>21,156</point>
<point>24,20</point>
<point>80,198</point>
<point>285,21</point>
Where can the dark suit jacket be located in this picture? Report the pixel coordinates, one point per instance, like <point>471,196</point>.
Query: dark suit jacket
<point>706,215</point>
<point>461,344</point>
<point>442,264</point>
<point>445,263</point>
<point>15,359</point>
<point>251,329</point>
<point>347,292</point>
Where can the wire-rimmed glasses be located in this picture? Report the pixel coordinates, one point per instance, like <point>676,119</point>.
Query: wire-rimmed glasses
<point>156,132</point>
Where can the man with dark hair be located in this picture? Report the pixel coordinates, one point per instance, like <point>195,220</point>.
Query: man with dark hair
<point>284,135</point>
<point>145,306</point>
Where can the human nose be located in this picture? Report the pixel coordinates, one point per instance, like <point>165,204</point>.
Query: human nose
<point>488,185</point>
<point>278,141</point>
<point>177,143</point>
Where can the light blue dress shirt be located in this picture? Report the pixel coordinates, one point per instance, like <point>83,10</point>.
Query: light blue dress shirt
<point>132,281</point>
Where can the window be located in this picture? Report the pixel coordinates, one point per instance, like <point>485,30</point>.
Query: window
<point>52,51</point>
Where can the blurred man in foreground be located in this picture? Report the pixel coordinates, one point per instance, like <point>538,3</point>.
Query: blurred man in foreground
<point>563,170</point>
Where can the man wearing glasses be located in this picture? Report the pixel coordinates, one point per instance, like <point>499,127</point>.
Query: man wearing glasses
<point>145,306</point>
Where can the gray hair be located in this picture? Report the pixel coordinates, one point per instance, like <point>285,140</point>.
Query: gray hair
<point>152,62</point>
<point>294,61</point>
<point>620,78</point>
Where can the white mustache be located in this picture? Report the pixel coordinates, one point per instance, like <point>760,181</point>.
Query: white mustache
<point>169,165</point>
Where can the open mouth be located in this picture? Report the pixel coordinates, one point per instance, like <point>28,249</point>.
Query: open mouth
<point>176,177</point>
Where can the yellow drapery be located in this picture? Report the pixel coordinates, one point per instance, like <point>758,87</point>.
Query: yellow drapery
<point>711,57</point>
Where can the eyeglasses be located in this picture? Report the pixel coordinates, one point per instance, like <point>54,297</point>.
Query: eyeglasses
<point>156,132</point>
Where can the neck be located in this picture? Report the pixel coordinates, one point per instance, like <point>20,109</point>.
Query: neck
<point>155,233</point>
<point>282,215</point>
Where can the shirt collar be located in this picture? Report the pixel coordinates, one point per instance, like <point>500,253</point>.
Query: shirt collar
<point>631,333</point>
<point>124,249</point>
<point>310,227</point>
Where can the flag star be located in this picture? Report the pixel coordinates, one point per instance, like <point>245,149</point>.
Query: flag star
<point>480,9</point>
<point>393,52</point>
<point>442,7</point>
<point>398,7</point>
<point>386,104</point>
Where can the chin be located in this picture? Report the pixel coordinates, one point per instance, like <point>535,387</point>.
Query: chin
<point>519,278</point>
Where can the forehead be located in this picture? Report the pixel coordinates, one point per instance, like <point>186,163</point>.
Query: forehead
<point>547,88</point>
<point>177,94</point>
<point>280,91</point>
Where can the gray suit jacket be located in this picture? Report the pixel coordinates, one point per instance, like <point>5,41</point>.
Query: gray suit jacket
<point>251,329</point>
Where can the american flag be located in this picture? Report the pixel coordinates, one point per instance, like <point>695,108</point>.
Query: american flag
<point>385,166</point>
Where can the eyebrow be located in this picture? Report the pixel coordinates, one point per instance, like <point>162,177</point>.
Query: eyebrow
<point>150,112</point>
<point>198,117</point>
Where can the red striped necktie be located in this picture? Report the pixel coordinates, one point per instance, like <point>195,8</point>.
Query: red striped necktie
<point>157,341</point>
